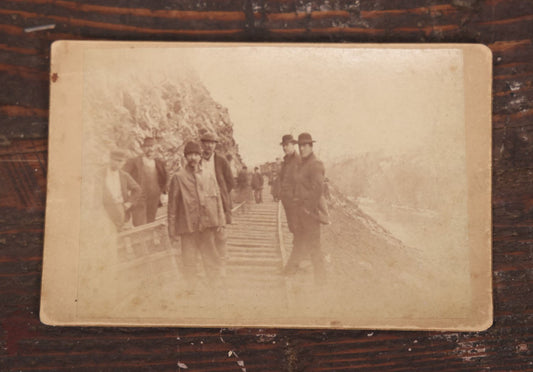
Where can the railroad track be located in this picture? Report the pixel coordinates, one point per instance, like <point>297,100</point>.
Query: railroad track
<point>253,280</point>
<point>256,253</point>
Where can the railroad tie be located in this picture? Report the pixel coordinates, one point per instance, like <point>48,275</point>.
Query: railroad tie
<point>254,261</point>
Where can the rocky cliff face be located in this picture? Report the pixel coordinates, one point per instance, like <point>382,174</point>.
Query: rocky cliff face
<point>173,108</point>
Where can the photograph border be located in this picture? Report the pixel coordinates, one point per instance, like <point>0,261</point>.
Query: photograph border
<point>62,225</point>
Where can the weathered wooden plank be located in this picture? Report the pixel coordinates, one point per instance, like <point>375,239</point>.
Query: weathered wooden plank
<point>28,345</point>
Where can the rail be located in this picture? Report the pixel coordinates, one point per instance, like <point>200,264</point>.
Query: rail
<point>256,253</point>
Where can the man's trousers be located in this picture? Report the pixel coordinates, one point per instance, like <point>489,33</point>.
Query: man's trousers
<point>202,242</point>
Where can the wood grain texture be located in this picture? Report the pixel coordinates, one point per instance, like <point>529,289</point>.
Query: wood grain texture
<point>506,26</point>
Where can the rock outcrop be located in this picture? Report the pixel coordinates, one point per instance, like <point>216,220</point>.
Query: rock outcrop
<point>173,108</point>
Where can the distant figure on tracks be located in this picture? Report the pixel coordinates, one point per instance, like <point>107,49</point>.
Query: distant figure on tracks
<point>257,185</point>
<point>244,192</point>
<point>195,214</point>
<point>308,189</point>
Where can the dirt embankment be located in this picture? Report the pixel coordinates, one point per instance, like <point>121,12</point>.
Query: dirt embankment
<point>388,278</point>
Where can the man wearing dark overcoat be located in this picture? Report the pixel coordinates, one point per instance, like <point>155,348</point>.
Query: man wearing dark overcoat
<point>287,187</point>
<point>120,192</point>
<point>195,213</point>
<point>150,173</point>
<point>216,164</point>
<point>309,180</point>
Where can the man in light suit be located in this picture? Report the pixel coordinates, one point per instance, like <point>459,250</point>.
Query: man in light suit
<point>120,192</point>
<point>216,164</point>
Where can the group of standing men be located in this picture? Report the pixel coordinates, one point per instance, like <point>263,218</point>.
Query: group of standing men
<point>133,187</point>
<point>199,207</point>
<point>301,183</point>
<point>199,201</point>
<point>249,186</point>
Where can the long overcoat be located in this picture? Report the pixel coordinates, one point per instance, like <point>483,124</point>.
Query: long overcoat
<point>193,204</point>
<point>309,182</point>
<point>287,177</point>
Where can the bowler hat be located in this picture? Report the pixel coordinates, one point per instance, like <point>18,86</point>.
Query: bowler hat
<point>118,154</point>
<point>305,138</point>
<point>148,141</point>
<point>288,138</point>
<point>192,147</point>
<point>209,137</point>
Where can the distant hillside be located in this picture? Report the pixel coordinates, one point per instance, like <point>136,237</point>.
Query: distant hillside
<point>341,205</point>
<point>407,180</point>
<point>386,277</point>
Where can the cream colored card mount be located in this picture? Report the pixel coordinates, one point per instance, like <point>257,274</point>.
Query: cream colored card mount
<point>375,214</point>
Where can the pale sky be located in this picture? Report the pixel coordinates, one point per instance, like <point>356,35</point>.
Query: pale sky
<point>351,100</point>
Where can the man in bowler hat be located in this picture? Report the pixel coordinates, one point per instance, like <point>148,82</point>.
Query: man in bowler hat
<point>287,186</point>
<point>150,173</point>
<point>308,184</point>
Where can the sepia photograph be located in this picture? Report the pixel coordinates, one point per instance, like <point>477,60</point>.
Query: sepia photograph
<point>271,185</point>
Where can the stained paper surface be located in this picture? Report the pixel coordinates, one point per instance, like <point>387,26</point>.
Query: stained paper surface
<point>403,132</point>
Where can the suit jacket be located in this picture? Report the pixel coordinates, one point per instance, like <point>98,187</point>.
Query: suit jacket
<point>131,192</point>
<point>134,167</point>
<point>309,181</point>
<point>225,183</point>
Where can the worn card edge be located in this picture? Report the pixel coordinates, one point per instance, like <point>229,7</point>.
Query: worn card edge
<point>63,205</point>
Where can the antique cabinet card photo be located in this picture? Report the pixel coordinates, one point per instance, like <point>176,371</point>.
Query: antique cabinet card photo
<point>269,185</point>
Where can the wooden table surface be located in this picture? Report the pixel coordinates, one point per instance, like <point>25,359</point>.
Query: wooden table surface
<point>506,26</point>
